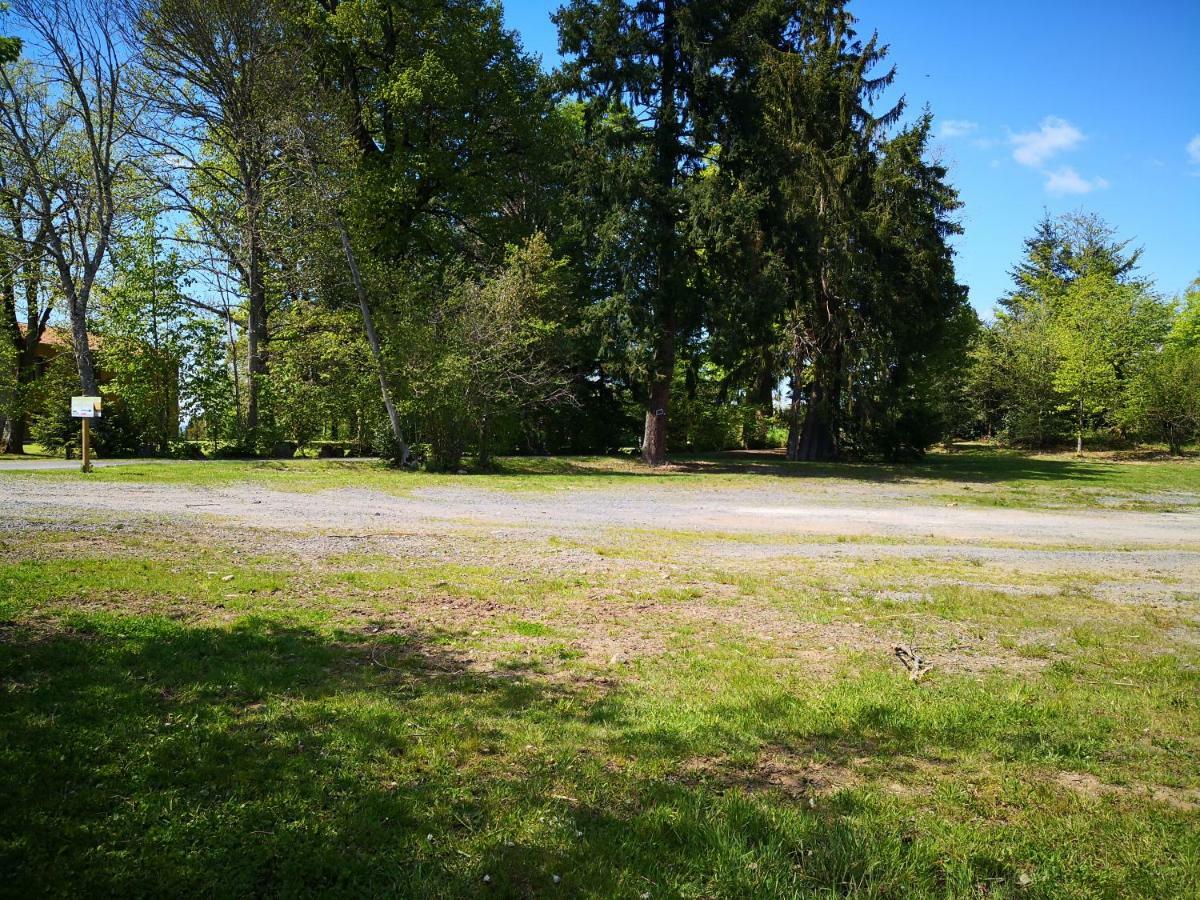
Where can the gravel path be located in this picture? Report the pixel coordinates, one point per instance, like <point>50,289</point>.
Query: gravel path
<point>788,511</point>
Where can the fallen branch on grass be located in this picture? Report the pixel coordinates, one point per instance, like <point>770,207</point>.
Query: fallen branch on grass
<point>917,667</point>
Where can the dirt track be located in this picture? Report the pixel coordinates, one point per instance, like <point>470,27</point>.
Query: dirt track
<point>852,510</point>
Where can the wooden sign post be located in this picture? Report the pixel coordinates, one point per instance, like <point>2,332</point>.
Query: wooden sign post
<point>86,408</point>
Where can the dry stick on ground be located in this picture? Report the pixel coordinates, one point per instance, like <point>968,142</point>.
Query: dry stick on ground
<point>917,667</point>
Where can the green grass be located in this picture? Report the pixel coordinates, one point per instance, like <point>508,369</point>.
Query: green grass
<point>180,717</point>
<point>969,475</point>
<point>32,451</point>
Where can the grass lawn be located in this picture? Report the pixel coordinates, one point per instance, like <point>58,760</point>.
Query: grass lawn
<point>969,474</point>
<point>32,451</point>
<point>206,709</point>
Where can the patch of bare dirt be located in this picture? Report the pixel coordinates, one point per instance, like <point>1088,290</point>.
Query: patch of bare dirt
<point>809,773</point>
<point>1090,787</point>
<point>776,769</point>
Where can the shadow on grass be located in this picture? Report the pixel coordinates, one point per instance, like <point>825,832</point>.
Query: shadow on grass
<point>143,756</point>
<point>982,466</point>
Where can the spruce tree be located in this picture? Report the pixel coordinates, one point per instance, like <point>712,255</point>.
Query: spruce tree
<point>639,70</point>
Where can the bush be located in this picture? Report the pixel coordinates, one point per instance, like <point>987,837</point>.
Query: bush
<point>1163,400</point>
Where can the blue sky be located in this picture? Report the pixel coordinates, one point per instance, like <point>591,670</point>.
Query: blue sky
<point>1056,105</point>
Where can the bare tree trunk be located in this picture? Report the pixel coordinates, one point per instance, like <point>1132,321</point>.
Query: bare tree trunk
<point>797,380</point>
<point>1079,431</point>
<point>81,347</point>
<point>256,332</point>
<point>233,361</point>
<point>373,341</point>
<point>654,439</point>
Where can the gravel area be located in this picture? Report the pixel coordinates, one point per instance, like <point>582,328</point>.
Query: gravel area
<point>794,511</point>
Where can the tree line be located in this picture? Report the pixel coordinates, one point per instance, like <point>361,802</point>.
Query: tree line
<point>1083,346</point>
<point>381,224</point>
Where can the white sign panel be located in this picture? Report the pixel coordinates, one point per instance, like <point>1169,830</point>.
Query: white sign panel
<point>85,407</point>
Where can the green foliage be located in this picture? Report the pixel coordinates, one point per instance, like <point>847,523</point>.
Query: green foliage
<point>13,398</point>
<point>1185,329</point>
<point>1164,396</point>
<point>10,47</point>
<point>1067,340</point>
<point>828,240</point>
<point>703,421</point>
<point>490,350</point>
<point>732,209</point>
<point>143,322</point>
<point>116,433</point>
<point>321,382</point>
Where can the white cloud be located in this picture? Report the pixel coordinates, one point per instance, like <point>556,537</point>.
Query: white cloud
<point>1033,148</point>
<point>1193,149</point>
<point>954,128</point>
<point>1067,181</point>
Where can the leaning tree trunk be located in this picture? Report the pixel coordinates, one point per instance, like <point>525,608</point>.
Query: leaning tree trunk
<point>364,307</point>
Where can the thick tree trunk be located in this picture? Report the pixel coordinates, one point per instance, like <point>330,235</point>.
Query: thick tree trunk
<point>658,400</point>
<point>17,435</point>
<point>1174,444</point>
<point>654,438</point>
<point>364,307</point>
<point>793,440</point>
<point>818,439</point>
